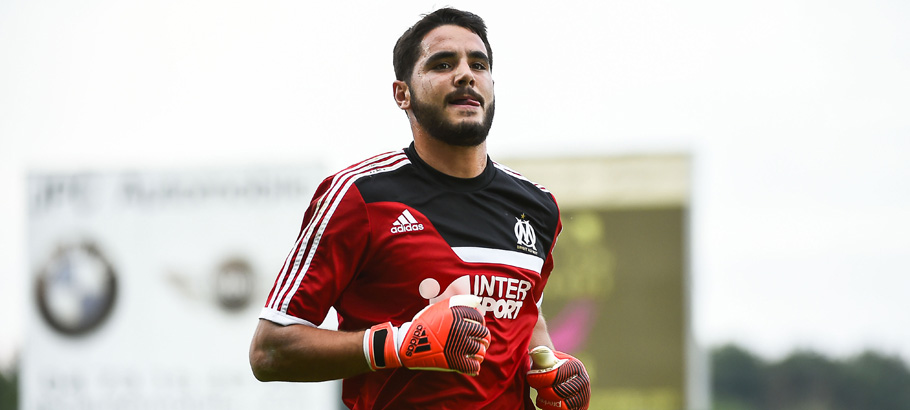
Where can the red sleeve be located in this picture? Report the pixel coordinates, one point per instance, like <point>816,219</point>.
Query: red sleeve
<point>548,263</point>
<point>333,237</point>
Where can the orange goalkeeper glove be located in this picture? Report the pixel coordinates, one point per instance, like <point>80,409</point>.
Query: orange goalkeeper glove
<point>561,380</point>
<point>449,335</point>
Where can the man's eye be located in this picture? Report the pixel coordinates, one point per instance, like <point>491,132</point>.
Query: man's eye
<point>443,66</point>
<point>480,66</point>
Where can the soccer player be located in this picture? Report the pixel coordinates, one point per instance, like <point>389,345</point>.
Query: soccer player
<point>434,256</point>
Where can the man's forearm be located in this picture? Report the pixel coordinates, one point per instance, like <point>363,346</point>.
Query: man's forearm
<point>540,336</point>
<point>301,353</point>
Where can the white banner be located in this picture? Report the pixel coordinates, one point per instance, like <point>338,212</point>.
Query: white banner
<point>146,287</point>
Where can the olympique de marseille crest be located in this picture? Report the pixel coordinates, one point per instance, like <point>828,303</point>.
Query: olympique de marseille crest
<point>524,233</point>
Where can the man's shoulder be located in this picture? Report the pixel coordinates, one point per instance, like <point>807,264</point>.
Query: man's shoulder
<point>365,169</point>
<point>371,174</point>
<point>520,179</point>
<point>376,164</point>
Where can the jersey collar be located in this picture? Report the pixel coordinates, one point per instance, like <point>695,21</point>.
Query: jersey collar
<point>454,183</point>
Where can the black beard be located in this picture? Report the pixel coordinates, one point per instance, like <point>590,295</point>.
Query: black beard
<point>462,134</point>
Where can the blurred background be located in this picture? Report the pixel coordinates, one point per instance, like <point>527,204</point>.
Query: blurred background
<point>133,133</point>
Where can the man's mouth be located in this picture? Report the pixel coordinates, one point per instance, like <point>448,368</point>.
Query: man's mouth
<point>465,101</point>
<point>465,98</point>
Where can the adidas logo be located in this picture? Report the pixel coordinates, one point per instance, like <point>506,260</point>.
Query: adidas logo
<point>419,342</point>
<point>406,223</point>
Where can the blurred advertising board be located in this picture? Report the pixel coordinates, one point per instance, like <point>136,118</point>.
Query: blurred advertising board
<point>146,287</point>
<point>618,297</point>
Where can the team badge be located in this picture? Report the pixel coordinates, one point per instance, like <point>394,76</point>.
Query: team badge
<point>525,236</point>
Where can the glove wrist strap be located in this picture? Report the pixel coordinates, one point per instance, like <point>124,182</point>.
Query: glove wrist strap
<point>380,347</point>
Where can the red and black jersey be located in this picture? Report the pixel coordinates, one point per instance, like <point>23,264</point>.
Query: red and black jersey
<point>384,238</point>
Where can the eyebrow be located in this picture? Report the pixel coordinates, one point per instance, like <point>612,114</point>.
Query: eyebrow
<point>475,55</point>
<point>479,55</point>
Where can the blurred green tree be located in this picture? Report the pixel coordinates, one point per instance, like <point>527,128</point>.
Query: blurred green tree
<point>9,390</point>
<point>806,380</point>
<point>737,379</point>
<point>875,381</point>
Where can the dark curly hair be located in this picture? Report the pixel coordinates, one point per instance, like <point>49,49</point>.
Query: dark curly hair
<point>407,49</point>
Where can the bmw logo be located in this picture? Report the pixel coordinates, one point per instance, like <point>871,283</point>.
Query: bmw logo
<point>76,290</point>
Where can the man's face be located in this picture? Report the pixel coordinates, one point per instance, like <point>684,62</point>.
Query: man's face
<point>452,87</point>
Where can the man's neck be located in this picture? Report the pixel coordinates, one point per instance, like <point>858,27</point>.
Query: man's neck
<point>456,161</point>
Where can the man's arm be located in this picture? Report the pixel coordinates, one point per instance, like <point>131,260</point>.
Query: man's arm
<point>301,353</point>
<point>561,380</point>
<point>540,336</point>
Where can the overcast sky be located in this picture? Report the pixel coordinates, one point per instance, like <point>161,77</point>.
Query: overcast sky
<point>796,113</point>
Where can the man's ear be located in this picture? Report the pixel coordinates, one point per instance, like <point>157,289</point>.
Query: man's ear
<point>402,94</point>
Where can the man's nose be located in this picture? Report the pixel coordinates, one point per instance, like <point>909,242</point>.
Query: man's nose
<point>464,76</point>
